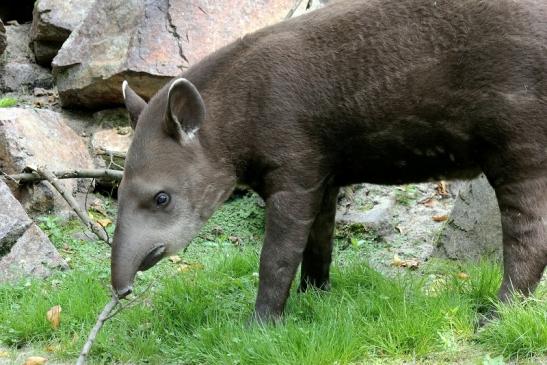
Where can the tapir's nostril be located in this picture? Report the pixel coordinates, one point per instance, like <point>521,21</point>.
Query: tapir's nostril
<point>152,258</point>
<point>122,293</point>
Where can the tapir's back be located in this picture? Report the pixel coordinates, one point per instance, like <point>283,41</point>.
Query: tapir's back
<point>400,90</point>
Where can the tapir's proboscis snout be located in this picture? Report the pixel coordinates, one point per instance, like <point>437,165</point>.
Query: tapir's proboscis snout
<point>383,92</point>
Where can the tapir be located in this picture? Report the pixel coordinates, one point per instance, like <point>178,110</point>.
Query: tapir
<point>376,91</point>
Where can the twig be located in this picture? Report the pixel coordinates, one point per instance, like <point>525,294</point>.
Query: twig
<point>104,316</point>
<point>117,154</point>
<point>71,174</point>
<point>94,227</point>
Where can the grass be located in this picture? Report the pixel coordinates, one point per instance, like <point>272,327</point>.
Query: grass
<point>7,102</point>
<point>198,312</point>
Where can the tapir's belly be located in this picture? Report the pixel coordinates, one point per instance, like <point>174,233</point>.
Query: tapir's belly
<point>397,157</point>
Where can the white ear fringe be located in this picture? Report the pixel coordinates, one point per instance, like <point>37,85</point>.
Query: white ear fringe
<point>177,81</point>
<point>124,86</point>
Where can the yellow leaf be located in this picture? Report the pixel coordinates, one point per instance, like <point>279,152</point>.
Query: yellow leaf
<point>4,354</point>
<point>54,316</point>
<point>410,263</point>
<point>35,360</point>
<point>175,259</point>
<point>397,262</point>
<point>463,276</point>
<point>440,218</point>
<point>104,222</point>
<point>442,189</point>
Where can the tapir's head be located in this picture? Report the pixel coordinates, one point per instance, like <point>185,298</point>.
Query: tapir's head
<point>171,184</point>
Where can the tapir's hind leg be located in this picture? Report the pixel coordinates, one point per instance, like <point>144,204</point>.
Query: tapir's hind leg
<point>317,256</point>
<point>523,207</point>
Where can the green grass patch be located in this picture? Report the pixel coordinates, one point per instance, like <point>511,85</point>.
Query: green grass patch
<point>7,102</point>
<point>200,315</point>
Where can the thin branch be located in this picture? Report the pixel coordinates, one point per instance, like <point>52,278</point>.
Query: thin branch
<point>69,174</point>
<point>111,153</point>
<point>94,227</point>
<point>104,316</point>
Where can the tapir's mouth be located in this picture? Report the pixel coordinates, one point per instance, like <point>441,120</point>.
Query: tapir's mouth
<point>152,258</point>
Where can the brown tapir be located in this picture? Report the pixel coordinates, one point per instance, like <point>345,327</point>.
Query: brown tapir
<point>378,91</point>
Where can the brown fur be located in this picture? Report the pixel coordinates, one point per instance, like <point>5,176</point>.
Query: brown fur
<point>379,91</point>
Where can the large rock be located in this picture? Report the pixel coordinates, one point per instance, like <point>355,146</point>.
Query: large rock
<point>148,42</point>
<point>34,137</point>
<point>112,145</point>
<point>3,41</point>
<point>13,219</point>
<point>52,23</point>
<point>18,70</point>
<point>309,5</point>
<point>473,230</point>
<point>24,248</point>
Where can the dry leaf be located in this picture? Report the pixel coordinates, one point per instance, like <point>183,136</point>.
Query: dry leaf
<point>411,264</point>
<point>4,354</point>
<point>104,222</point>
<point>463,276</point>
<point>397,261</point>
<point>440,217</point>
<point>442,188</point>
<point>429,202</point>
<point>35,360</point>
<point>175,259</point>
<point>54,316</point>
<point>399,228</point>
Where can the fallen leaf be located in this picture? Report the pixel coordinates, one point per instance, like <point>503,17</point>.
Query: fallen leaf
<point>54,316</point>
<point>175,259</point>
<point>399,228</point>
<point>4,354</point>
<point>429,202</point>
<point>411,264</point>
<point>463,276</point>
<point>35,360</point>
<point>397,261</point>
<point>104,222</point>
<point>440,217</point>
<point>442,188</point>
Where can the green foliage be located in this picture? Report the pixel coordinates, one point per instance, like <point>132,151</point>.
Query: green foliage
<point>200,315</point>
<point>406,194</point>
<point>7,102</point>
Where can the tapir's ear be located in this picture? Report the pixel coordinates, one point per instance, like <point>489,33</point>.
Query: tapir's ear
<point>185,110</point>
<point>134,103</point>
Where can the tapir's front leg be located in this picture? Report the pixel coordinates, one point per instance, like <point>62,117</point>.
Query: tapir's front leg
<point>289,217</point>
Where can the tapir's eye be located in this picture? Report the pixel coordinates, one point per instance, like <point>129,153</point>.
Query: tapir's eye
<point>162,199</point>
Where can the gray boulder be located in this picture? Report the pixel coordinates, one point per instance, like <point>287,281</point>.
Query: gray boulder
<point>52,23</point>
<point>24,248</point>
<point>473,230</point>
<point>18,70</point>
<point>36,137</point>
<point>13,219</point>
<point>149,42</point>
<point>308,5</point>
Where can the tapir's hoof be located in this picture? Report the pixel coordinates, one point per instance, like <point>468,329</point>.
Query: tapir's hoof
<point>122,293</point>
